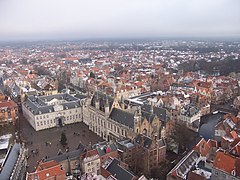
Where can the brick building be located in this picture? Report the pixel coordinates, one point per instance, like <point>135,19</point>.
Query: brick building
<point>143,153</point>
<point>8,113</point>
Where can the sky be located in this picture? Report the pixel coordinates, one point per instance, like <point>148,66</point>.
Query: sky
<point>79,19</point>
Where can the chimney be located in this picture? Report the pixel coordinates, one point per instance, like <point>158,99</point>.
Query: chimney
<point>151,110</point>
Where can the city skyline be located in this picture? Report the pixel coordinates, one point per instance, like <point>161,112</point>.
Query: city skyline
<point>61,20</point>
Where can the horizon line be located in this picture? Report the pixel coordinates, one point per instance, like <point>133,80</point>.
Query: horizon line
<point>121,38</point>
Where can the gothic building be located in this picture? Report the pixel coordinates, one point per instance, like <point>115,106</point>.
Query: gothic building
<point>113,119</point>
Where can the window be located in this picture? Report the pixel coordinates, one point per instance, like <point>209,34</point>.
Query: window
<point>44,122</point>
<point>40,117</point>
<point>37,123</point>
<point>41,123</point>
<point>47,121</point>
<point>51,121</point>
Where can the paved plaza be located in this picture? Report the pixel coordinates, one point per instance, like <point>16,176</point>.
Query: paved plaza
<point>46,142</point>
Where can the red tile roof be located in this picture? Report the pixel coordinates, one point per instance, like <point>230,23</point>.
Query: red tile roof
<point>212,143</point>
<point>227,163</point>
<point>11,104</point>
<point>194,176</point>
<point>202,147</point>
<point>48,170</point>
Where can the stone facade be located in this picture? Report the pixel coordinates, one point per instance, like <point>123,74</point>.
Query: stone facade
<point>45,112</point>
<point>143,153</point>
<point>113,120</point>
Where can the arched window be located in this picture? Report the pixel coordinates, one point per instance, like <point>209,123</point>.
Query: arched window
<point>145,131</point>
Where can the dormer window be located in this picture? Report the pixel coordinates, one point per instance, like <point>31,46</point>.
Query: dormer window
<point>233,172</point>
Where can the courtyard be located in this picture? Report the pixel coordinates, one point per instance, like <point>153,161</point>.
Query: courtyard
<point>46,142</point>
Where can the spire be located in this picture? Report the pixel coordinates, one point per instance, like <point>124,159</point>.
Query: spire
<point>107,102</point>
<point>151,110</point>
<point>115,101</point>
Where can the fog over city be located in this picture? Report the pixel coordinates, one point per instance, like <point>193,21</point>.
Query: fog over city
<point>62,19</point>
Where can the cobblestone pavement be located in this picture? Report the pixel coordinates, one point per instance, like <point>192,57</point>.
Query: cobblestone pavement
<point>36,141</point>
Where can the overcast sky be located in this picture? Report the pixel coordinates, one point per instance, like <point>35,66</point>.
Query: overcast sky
<point>62,19</point>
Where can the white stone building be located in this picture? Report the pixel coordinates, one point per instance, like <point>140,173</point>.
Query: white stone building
<point>43,112</point>
<point>190,116</point>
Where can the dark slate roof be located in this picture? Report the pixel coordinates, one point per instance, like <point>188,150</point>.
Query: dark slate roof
<point>65,96</point>
<point>80,96</point>
<point>185,164</point>
<point>37,105</point>
<point>189,110</point>
<point>161,113</point>
<point>70,155</point>
<point>146,140</point>
<point>10,162</point>
<point>118,172</point>
<point>102,100</point>
<point>125,144</point>
<point>148,116</point>
<point>122,117</point>
<point>101,147</point>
